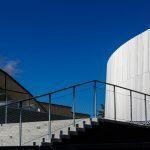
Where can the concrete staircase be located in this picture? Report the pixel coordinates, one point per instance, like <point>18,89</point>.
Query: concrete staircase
<point>91,134</point>
<point>37,132</point>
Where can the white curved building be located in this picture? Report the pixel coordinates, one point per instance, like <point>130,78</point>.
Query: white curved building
<point>129,66</point>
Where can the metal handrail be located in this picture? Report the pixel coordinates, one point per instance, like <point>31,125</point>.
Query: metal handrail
<point>73,88</point>
<point>122,87</point>
<point>42,95</point>
<point>75,85</point>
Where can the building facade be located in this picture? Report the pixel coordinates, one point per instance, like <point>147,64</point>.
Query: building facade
<point>11,91</point>
<point>32,109</point>
<point>129,66</point>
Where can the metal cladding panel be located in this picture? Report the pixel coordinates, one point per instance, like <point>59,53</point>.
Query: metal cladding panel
<point>129,66</point>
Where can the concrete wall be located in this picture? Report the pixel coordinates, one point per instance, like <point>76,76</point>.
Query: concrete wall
<point>129,66</point>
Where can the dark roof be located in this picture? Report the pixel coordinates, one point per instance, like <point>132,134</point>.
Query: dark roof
<point>22,88</point>
<point>45,103</point>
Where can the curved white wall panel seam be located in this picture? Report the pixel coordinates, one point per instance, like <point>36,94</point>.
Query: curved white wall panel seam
<point>129,66</point>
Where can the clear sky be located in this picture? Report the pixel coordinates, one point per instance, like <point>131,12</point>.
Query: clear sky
<point>50,44</point>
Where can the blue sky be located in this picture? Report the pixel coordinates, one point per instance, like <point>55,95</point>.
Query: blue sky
<point>47,45</point>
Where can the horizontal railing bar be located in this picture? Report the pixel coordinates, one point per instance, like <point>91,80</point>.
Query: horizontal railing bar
<point>76,85</point>
<point>43,95</point>
<point>122,87</point>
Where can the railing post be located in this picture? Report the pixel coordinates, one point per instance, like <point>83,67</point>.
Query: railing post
<point>145,108</point>
<point>131,105</point>
<point>6,99</point>
<point>6,108</point>
<point>20,123</point>
<point>95,100</point>
<point>29,102</point>
<point>73,107</point>
<point>49,117</point>
<point>114,102</point>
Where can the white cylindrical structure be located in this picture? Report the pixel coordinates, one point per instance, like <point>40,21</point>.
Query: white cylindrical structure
<point>129,66</point>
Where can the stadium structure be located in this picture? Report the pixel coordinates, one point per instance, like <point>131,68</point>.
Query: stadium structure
<point>90,115</point>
